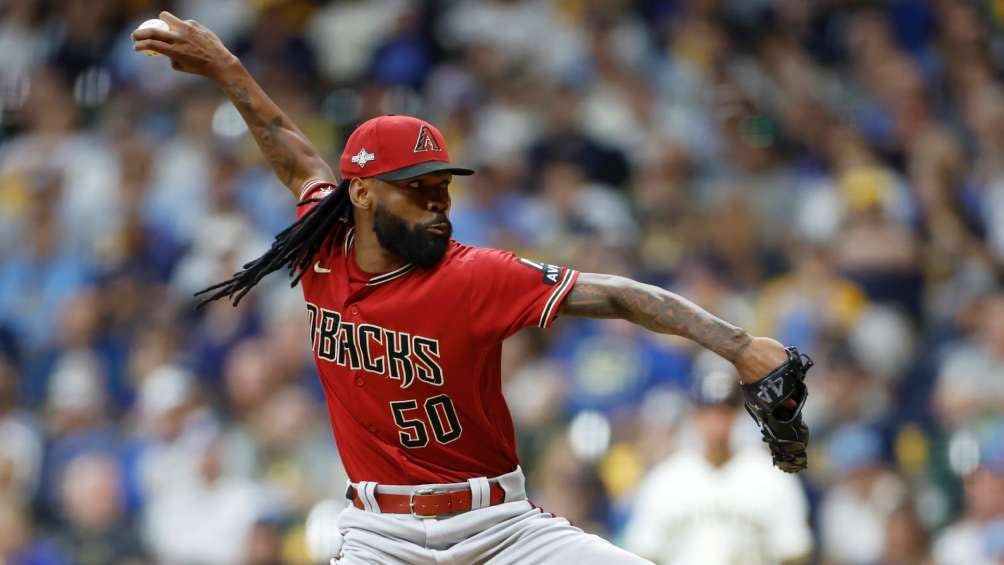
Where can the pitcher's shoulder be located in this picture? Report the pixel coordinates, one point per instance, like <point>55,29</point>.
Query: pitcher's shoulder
<point>462,253</point>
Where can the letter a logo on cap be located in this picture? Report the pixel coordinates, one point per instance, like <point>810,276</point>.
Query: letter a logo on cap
<point>425,141</point>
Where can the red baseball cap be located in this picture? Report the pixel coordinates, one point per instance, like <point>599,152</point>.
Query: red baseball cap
<point>396,148</point>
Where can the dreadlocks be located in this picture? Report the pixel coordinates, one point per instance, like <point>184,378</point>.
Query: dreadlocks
<point>294,247</point>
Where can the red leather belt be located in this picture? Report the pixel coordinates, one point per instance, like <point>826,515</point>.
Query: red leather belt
<point>427,502</point>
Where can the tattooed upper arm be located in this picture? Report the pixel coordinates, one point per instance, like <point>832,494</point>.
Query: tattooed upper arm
<point>595,296</point>
<point>609,296</point>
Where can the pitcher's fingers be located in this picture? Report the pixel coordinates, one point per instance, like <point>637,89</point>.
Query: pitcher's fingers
<point>167,36</point>
<point>154,45</point>
<point>172,20</point>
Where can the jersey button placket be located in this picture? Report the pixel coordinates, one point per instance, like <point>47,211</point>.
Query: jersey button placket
<point>354,313</point>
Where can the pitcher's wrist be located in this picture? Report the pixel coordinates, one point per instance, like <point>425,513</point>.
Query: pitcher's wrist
<point>228,69</point>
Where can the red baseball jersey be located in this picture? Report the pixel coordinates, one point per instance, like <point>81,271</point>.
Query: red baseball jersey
<point>410,360</point>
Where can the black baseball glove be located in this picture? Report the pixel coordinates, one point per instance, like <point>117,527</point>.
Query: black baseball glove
<point>776,402</point>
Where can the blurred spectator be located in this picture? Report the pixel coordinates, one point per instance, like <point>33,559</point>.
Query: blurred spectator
<point>96,529</point>
<point>21,448</point>
<point>207,519</point>
<point>565,141</point>
<point>855,512</point>
<point>174,426</point>
<point>994,541</point>
<point>283,443</point>
<point>41,275</point>
<point>178,198</point>
<point>566,485</point>
<point>971,379</point>
<point>810,301</point>
<point>65,173</point>
<point>906,541</point>
<point>580,207</point>
<point>18,543</point>
<point>972,537</point>
<point>404,58</point>
<point>661,416</point>
<point>515,31</point>
<point>264,545</point>
<point>611,365</point>
<point>76,420</point>
<point>715,502</point>
<point>492,211</point>
<point>345,34</point>
<point>23,42</point>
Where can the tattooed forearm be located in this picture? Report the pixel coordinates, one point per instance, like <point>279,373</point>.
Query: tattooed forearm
<point>287,149</point>
<point>268,133</point>
<point>238,94</point>
<point>277,151</point>
<point>607,296</point>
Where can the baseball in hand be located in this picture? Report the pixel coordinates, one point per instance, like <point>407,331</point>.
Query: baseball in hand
<point>154,23</point>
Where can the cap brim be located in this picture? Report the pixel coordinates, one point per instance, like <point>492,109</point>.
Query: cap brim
<point>427,168</point>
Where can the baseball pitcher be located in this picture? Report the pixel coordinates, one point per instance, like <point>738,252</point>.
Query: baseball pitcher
<point>407,327</point>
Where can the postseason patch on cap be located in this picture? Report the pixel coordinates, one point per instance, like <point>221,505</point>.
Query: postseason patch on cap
<point>396,147</point>
<point>363,157</point>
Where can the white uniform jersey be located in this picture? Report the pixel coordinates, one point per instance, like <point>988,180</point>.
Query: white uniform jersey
<point>745,512</point>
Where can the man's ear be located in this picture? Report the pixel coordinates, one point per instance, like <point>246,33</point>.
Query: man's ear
<point>360,192</point>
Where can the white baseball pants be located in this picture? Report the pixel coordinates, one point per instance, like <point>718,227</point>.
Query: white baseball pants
<point>514,532</point>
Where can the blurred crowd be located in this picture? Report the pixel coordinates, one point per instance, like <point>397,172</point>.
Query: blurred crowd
<point>828,172</point>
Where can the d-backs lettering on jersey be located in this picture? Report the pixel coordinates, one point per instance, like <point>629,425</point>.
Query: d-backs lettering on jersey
<point>410,360</point>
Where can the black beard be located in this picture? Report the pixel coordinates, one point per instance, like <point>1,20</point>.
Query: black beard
<point>414,244</point>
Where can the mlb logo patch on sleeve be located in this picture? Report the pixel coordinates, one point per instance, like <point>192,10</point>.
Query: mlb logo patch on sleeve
<point>552,273</point>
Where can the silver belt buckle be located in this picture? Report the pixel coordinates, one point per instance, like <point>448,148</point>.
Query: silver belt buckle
<point>421,492</point>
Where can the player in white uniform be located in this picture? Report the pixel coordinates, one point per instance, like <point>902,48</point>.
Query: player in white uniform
<point>716,505</point>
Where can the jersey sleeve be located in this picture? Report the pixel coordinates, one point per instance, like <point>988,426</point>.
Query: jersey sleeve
<point>312,191</point>
<point>509,293</point>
